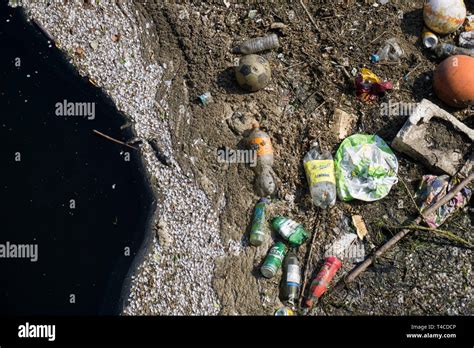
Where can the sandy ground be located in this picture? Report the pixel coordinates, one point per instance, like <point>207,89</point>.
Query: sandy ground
<point>200,261</point>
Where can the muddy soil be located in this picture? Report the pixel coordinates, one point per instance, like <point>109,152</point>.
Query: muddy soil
<point>442,135</point>
<point>312,74</point>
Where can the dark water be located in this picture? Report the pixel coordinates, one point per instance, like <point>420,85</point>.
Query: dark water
<point>82,251</point>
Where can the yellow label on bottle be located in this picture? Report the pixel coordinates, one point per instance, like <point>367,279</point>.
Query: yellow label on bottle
<point>320,171</point>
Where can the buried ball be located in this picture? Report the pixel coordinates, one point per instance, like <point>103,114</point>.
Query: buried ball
<point>253,72</point>
<point>453,81</point>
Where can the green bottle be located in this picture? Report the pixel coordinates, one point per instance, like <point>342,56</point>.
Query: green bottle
<point>290,230</point>
<point>257,233</point>
<point>274,259</point>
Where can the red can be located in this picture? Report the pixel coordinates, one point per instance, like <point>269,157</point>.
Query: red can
<point>320,284</point>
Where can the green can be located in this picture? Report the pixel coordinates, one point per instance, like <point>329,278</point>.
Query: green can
<point>274,259</point>
<point>257,233</point>
<point>290,230</point>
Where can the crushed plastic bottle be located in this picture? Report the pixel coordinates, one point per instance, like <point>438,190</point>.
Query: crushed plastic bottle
<point>257,44</point>
<point>390,51</point>
<point>319,168</point>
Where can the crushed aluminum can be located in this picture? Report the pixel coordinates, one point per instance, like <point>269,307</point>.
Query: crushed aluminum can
<point>429,39</point>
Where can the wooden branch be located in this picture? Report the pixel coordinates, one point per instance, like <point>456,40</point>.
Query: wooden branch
<point>114,140</point>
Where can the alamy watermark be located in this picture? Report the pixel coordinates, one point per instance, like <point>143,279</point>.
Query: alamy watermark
<point>28,330</point>
<point>19,251</point>
<point>227,155</point>
<point>397,109</point>
<point>80,109</point>
<point>401,109</point>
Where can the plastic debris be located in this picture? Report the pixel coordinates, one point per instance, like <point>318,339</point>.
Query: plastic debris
<point>260,142</point>
<point>319,168</point>
<point>369,86</point>
<point>258,230</point>
<point>445,50</point>
<point>347,247</point>
<point>321,283</point>
<point>340,245</point>
<point>205,98</point>
<point>257,44</point>
<point>390,51</point>
<point>433,188</point>
<point>467,39</point>
<point>359,226</point>
<point>290,230</point>
<point>366,168</point>
<point>374,58</point>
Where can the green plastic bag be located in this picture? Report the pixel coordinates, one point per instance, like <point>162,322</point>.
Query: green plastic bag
<point>366,168</point>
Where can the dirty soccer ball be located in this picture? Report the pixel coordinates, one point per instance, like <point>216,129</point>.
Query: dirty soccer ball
<point>253,72</point>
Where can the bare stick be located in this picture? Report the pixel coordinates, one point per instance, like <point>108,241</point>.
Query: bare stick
<point>309,14</point>
<point>378,37</point>
<point>363,266</point>
<point>114,140</point>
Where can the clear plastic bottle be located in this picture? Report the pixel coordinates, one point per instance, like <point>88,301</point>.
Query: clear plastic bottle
<point>319,168</point>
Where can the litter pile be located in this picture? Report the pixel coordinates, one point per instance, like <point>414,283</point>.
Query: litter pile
<point>364,167</point>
